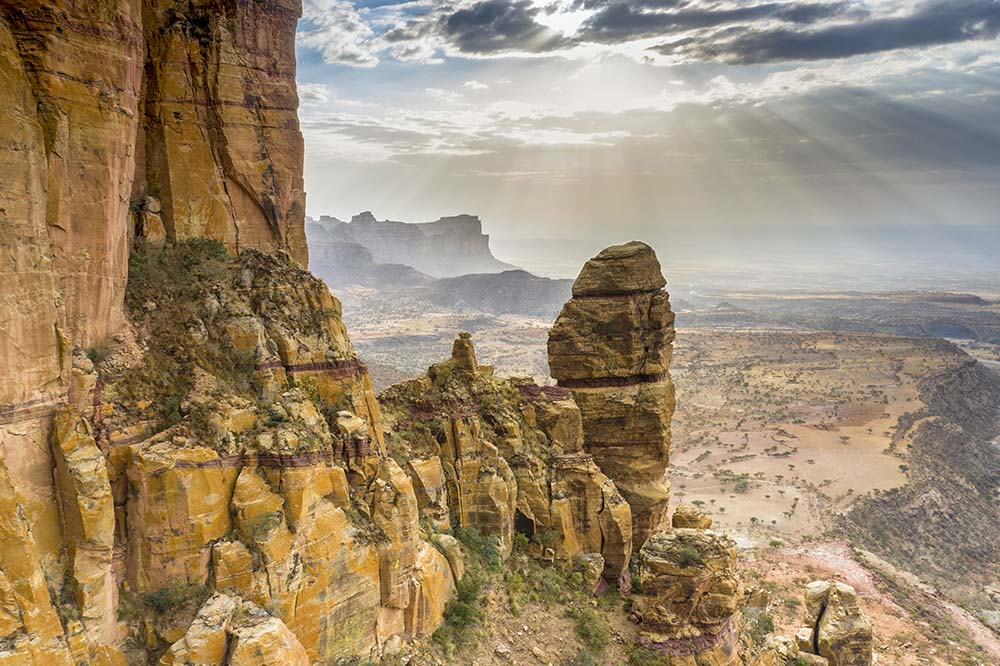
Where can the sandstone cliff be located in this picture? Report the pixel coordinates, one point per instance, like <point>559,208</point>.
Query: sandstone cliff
<point>118,119</point>
<point>194,468</point>
<point>121,118</point>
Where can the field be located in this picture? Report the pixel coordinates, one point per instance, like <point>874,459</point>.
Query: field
<point>774,431</point>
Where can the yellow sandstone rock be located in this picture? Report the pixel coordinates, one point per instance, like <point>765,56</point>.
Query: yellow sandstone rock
<point>88,515</point>
<point>689,596</point>
<point>611,346</point>
<point>178,504</point>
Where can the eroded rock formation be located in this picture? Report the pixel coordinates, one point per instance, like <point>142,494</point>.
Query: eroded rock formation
<point>502,456</point>
<point>194,468</point>
<point>156,118</point>
<point>838,633</point>
<point>689,594</point>
<point>611,347</point>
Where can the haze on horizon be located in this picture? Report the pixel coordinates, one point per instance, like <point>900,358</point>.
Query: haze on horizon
<point>600,120</point>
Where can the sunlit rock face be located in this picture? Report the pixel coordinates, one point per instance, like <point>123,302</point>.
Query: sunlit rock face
<point>502,457</point>
<point>611,347</point>
<point>689,595</point>
<point>122,118</point>
<point>220,136</point>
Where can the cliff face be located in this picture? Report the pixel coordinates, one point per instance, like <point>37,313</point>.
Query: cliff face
<point>219,135</point>
<point>120,117</point>
<point>194,468</point>
<point>449,247</point>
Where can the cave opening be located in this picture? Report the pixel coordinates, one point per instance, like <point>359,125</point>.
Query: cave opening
<point>523,524</point>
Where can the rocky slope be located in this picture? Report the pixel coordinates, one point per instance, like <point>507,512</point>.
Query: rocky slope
<point>449,247</point>
<point>943,523</point>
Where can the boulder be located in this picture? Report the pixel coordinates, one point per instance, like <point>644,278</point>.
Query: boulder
<point>691,516</point>
<point>689,596</point>
<point>844,633</point>
<point>839,632</point>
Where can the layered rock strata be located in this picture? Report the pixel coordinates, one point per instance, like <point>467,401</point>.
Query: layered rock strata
<point>689,595</point>
<point>504,456</point>
<point>611,347</point>
<point>837,631</point>
<point>121,118</point>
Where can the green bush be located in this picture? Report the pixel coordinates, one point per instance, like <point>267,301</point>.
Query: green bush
<point>462,614</point>
<point>549,585</point>
<point>688,555</point>
<point>760,625</point>
<point>584,658</point>
<point>641,656</point>
<point>486,547</point>
<point>592,630</point>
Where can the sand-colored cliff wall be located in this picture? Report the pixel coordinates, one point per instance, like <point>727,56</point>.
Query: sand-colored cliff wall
<point>118,116</point>
<point>164,118</point>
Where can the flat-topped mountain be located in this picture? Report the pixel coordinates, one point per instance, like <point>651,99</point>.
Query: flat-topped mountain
<point>448,247</point>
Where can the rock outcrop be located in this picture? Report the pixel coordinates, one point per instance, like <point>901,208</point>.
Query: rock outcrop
<point>689,596</point>
<point>611,347</point>
<point>838,633</point>
<point>504,456</point>
<point>838,630</point>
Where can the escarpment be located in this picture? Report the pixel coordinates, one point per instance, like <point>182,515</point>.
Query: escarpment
<point>124,118</point>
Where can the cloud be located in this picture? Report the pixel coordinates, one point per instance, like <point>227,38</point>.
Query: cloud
<point>362,34</point>
<point>496,26</point>
<point>338,32</point>
<point>314,94</point>
<point>622,21</point>
<point>929,24</point>
<point>475,85</point>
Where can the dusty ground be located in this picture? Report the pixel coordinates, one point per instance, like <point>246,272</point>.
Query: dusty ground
<point>774,431</point>
<point>913,624</point>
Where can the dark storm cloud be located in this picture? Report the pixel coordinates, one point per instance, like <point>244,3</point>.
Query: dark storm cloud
<point>930,24</point>
<point>624,21</point>
<point>500,25</point>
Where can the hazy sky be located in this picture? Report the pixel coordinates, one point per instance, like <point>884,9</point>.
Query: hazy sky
<point>603,118</point>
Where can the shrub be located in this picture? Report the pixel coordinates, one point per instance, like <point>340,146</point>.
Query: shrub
<point>584,658</point>
<point>641,656</point>
<point>549,585</point>
<point>688,555</point>
<point>462,614</point>
<point>760,625</point>
<point>486,547</point>
<point>592,630</point>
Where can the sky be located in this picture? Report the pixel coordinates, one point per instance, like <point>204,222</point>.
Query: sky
<point>606,119</point>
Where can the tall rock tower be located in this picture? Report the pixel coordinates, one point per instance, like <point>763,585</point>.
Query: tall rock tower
<point>611,346</point>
